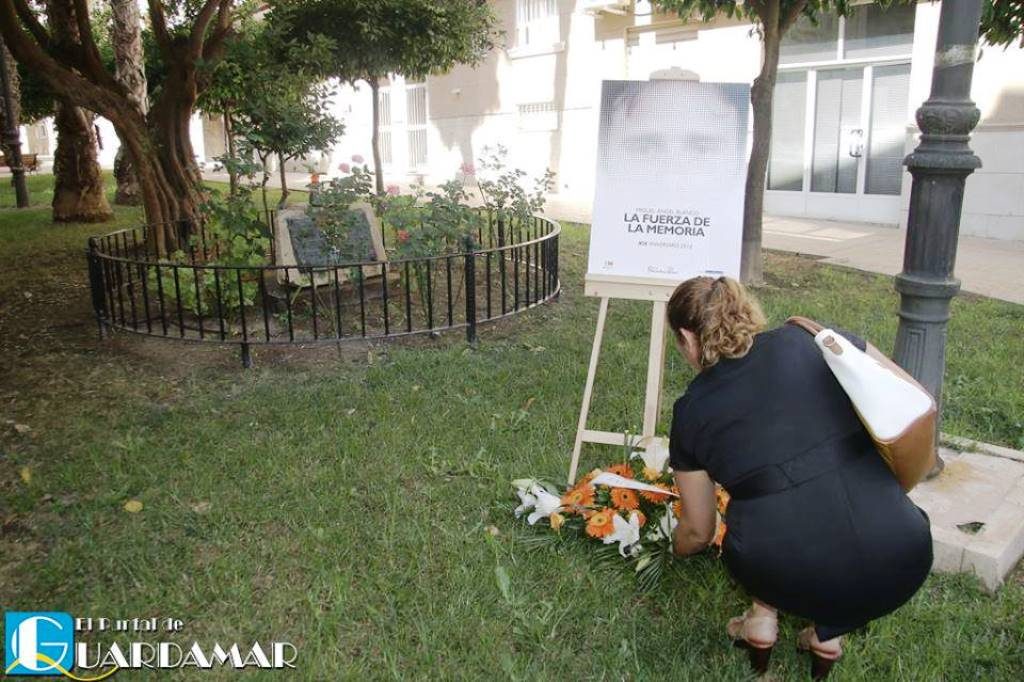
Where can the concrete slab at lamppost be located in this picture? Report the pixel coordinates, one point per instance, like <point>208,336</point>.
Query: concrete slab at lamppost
<point>976,509</point>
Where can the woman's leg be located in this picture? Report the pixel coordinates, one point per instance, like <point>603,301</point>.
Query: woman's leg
<point>759,625</point>
<point>825,640</point>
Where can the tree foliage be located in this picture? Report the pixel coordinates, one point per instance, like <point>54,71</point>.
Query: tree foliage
<point>1002,22</point>
<point>370,39</point>
<point>278,103</point>
<point>373,38</point>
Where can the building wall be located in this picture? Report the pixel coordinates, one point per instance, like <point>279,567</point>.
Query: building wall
<point>540,101</point>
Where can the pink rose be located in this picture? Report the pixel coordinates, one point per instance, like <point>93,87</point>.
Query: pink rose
<point>468,169</point>
<point>357,158</point>
<point>393,190</point>
<point>403,236</point>
<point>344,167</point>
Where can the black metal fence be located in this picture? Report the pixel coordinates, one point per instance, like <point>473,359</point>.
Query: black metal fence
<point>512,267</point>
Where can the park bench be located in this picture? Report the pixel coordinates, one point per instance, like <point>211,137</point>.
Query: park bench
<point>29,162</point>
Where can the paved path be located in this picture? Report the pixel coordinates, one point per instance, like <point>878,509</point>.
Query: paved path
<point>989,267</point>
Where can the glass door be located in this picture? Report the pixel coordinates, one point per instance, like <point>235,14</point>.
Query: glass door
<point>838,140</point>
<point>838,131</point>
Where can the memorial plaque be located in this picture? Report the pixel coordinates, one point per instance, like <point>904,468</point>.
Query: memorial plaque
<point>301,242</point>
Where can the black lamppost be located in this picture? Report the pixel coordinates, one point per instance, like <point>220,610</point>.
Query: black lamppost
<point>940,166</point>
<point>12,140</point>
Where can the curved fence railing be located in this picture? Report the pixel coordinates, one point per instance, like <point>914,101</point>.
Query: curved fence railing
<point>513,266</point>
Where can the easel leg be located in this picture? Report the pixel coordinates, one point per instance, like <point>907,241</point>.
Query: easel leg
<point>602,313</point>
<point>655,367</point>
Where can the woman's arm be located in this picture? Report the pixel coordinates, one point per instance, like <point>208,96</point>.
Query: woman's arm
<point>696,527</point>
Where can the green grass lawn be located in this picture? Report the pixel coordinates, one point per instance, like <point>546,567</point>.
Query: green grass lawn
<point>356,502</point>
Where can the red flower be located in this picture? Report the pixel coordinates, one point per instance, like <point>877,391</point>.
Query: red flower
<point>393,190</point>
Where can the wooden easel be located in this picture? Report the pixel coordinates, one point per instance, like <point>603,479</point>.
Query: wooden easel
<point>606,288</point>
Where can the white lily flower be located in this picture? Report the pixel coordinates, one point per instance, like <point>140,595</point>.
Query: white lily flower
<point>528,502</point>
<point>523,483</point>
<point>626,533</point>
<point>655,458</point>
<point>545,504</point>
<point>668,522</point>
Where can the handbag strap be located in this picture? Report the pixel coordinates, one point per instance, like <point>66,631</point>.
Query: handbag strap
<point>805,323</point>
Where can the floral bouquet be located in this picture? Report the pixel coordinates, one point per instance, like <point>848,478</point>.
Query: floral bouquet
<point>632,506</point>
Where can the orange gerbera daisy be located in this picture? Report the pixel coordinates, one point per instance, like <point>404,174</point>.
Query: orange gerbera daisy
<point>656,497</point>
<point>600,523</point>
<point>580,496</point>
<point>719,534</point>
<point>651,474</point>
<point>556,520</point>
<point>640,517</point>
<point>677,508</point>
<point>624,498</point>
<point>722,498</point>
<point>623,469</point>
<point>588,477</point>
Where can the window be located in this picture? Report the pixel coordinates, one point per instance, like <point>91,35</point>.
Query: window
<point>536,22</point>
<point>416,118</point>
<point>807,42</point>
<point>870,31</point>
<point>889,87</point>
<point>386,145</point>
<point>538,116</point>
<point>786,165</point>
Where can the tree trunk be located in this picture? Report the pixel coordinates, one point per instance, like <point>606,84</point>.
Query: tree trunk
<point>129,71</point>
<point>78,184</point>
<point>774,24</point>
<point>284,182</point>
<point>761,95</point>
<point>78,195</point>
<point>378,171</point>
<point>14,82</point>
<point>10,116</point>
<point>62,50</point>
<point>229,139</point>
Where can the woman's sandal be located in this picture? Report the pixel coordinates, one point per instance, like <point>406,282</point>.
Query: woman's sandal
<point>757,635</point>
<point>823,655</point>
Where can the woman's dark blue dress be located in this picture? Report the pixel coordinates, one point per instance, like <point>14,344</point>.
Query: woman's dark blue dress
<point>818,526</point>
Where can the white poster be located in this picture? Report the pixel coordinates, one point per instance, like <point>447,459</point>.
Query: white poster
<point>671,168</point>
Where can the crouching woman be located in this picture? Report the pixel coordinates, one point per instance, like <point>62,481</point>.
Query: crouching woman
<point>818,526</point>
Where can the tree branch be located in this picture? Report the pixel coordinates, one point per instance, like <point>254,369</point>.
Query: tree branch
<point>58,75</point>
<point>158,22</point>
<point>28,18</point>
<point>214,44</point>
<point>201,23</point>
<point>792,15</point>
<point>90,54</point>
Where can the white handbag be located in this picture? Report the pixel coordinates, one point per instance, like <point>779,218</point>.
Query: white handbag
<point>896,410</point>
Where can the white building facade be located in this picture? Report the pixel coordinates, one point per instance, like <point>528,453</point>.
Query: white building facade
<point>844,105</point>
<point>843,121</point>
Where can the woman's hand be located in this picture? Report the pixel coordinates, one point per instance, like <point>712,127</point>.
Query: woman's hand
<point>696,527</point>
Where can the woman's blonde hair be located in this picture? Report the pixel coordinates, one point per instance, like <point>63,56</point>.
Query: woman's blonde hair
<point>720,312</point>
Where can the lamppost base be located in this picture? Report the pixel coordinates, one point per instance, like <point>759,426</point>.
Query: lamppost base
<point>940,465</point>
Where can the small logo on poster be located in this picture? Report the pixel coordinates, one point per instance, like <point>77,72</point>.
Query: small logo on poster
<point>38,642</point>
